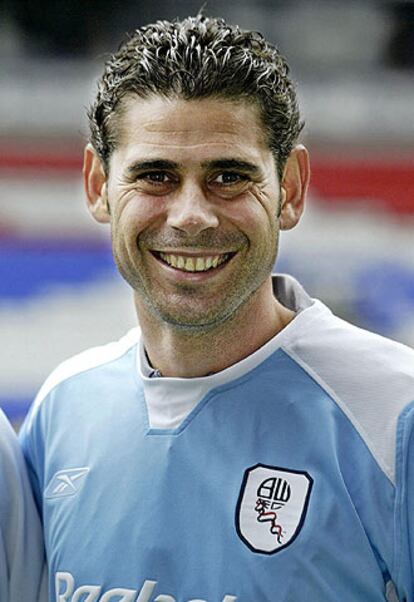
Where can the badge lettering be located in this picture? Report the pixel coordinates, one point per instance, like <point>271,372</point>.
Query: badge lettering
<point>272,507</point>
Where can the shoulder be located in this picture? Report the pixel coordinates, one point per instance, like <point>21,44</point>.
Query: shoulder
<point>355,360</point>
<point>370,377</point>
<point>90,359</point>
<point>13,478</point>
<point>9,448</point>
<point>21,545</point>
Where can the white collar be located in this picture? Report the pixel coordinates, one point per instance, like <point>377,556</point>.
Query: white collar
<point>170,399</point>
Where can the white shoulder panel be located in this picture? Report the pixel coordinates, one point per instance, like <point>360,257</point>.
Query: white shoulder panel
<point>370,377</point>
<point>91,358</point>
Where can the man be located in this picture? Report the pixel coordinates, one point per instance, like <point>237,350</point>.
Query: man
<point>246,445</point>
<point>21,548</point>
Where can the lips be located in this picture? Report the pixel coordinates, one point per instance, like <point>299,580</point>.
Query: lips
<point>188,263</point>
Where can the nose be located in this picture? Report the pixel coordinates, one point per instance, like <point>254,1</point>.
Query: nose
<point>191,212</point>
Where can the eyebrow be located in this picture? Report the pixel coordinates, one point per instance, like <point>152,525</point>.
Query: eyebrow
<point>236,164</point>
<point>164,165</point>
<point>159,164</point>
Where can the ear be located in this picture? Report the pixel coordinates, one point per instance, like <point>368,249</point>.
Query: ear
<point>294,187</point>
<point>95,184</point>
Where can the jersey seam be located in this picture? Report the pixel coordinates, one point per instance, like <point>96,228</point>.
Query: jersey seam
<point>385,469</point>
<point>40,399</point>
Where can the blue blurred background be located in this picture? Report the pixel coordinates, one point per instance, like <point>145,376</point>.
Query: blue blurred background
<point>59,290</point>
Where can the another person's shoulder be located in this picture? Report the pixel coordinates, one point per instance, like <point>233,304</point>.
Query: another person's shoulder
<point>6,430</point>
<point>22,567</point>
<point>10,458</point>
<point>12,468</point>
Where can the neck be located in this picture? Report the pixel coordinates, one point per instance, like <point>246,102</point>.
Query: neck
<point>186,354</point>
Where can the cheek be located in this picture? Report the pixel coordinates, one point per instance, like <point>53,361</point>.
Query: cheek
<point>268,199</point>
<point>137,213</point>
<point>258,211</point>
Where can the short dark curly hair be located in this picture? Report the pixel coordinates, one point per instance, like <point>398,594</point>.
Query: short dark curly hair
<point>194,58</point>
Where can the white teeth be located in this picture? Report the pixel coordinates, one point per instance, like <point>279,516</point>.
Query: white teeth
<point>200,264</point>
<point>193,264</point>
<point>189,265</point>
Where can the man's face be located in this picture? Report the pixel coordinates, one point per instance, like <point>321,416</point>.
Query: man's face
<point>194,200</point>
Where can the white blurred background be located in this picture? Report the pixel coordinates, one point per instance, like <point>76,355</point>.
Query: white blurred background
<point>354,64</point>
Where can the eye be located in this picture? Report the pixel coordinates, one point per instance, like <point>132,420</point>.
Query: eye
<point>155,182</point>
<point>155,177</point>
<point>227,178</point>
<point>229,184</point>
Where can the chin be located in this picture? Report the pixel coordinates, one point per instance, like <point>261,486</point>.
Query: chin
<point>200,322</point>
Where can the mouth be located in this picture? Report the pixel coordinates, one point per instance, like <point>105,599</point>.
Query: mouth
<point>189,263</point>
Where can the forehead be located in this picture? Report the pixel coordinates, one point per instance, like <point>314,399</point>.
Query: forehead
<point>192,128</point>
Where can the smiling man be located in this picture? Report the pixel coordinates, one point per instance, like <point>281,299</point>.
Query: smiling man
<point>196,204</point>
<point>243,444</point>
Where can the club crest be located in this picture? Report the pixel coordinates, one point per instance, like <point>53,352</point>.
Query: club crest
<point>272,506</point>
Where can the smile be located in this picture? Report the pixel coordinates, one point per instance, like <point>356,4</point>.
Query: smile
<point>188,263</point>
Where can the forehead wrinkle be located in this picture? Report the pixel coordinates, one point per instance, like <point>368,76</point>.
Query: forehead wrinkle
<point>219,129</point>
<point>184,145</point>
<point>199,136</point>
<point>224,127</point>
<point>207,134</point>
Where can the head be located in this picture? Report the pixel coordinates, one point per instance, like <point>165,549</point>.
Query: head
<point>193,160</point>
<point>196,58</point>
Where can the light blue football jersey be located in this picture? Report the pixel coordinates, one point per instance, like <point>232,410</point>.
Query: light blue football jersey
<point>286,477</point>
<point>22,561</point>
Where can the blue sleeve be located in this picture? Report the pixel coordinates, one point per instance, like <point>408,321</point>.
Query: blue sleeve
<point>31,443</point>
<point>404,519</point>
<point>22,562</point>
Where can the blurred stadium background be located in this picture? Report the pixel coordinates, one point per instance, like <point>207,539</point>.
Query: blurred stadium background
<point>354,64</point>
